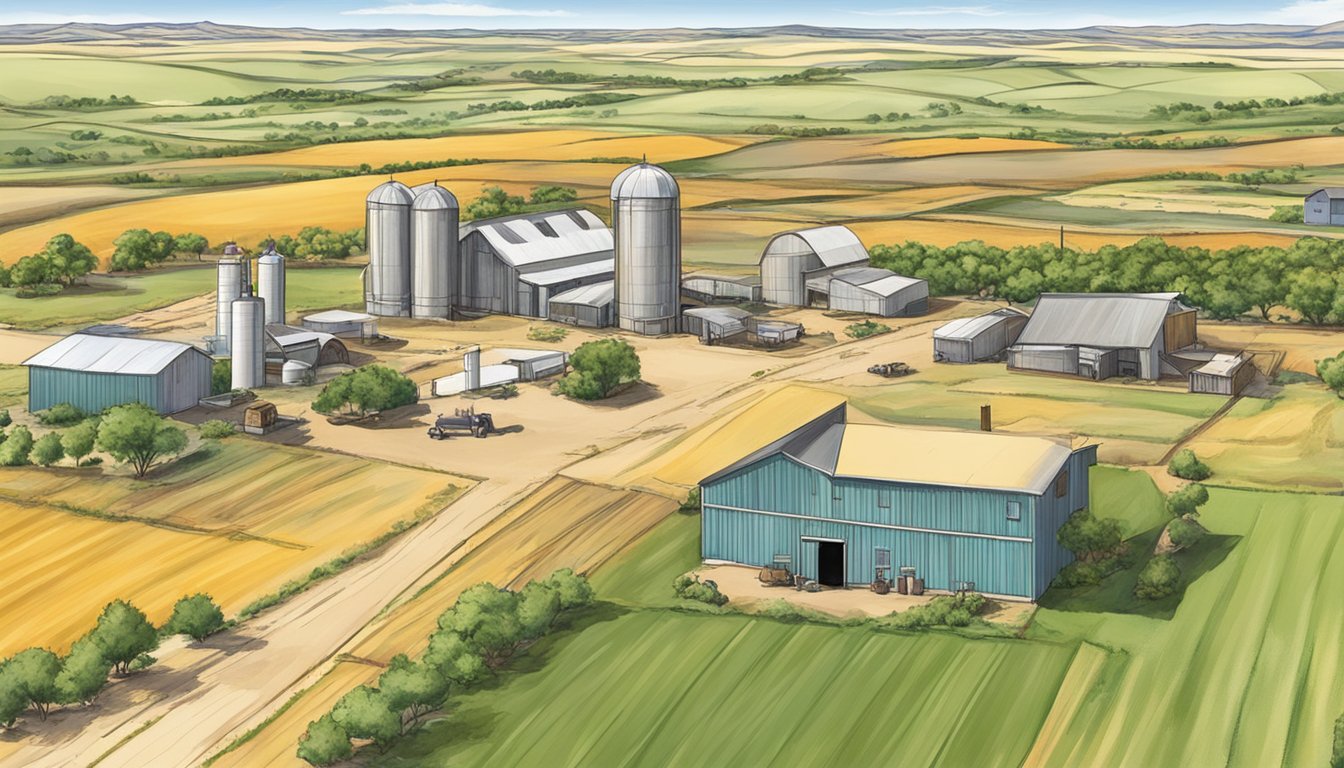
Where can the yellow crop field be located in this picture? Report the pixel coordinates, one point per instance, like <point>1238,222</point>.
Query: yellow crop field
<point>19,205</point>
<point>900,202</point>
<point>958,146</point>
<point>237,525</point>
<point>944,232</point>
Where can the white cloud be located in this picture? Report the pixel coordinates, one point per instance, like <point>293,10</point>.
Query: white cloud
<point>937,10</point>
<point>460,10</point>
<point>1309,12</point>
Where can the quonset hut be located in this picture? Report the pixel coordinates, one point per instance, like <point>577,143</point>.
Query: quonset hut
<point>790,259</point>
<point>964,510</point>
<point>646,217</point>
<point>514,265</point>
<point>973,339</point>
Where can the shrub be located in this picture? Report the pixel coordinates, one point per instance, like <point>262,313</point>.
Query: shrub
<point>1337,753</point>
<point>599,368</point>
<point>196,616</point>
<point>78,440</point>
<point>943,611</point>
<point>1090,538</point>
<point>37,290</point>
<point>83,673</point>
<point>1187,466</point>
<point>548,333</point>
<point>5,419</point>
<point>1187,500</point>
<point>1287,214</point>
<point>1086,574</point>
<point>325,742</point>
<point>61,415</point>
<point>221,377</point>
<point>47,450</point>
<point>865,329</point>
<point>369,388</point>
<point>216,429</point>
<point>572,588</point>
<point>123,635</point>
<point>364,714</point>
<point>1331,371</point>
<point>1184,533</point>
<point>14,451</point>
<point>692,588</point>
<point>1158,579</point>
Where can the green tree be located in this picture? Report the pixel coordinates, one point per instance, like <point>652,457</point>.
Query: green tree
<point>545,195</point>
<point>34,674</point>
<point>493,202</point>
<point>411,688</point>
<point>1331,371</point>
<point>572,588</point>
<point>364,713</point>
<point>136,249</point>
<point>1187,500</point>
<point>454,658</point>
<point>190,242</point>
<point>538,607</point>
<point>1088,537</point>
<point>1312,294</point>
<point>319,244</point>
<point>16,448</point>
<point>83,673</point>
<point>197,616</point>
<point>221,376</point>
<point>1187,466</point>
<point>31,270</point>
<point>599,368</point>
<point>1337,751</point>
<point>47,450</point>
<point>13,702</point>
<point>78,441</point>
<point>5,419</point>
<point>368,388</point>
<point>325,742</point>
<point>1159,578</point>
<point>135,434</point>
<point>487,618</point>
<point>1184,533</point>
<point>68,259</point>
<point>123,633</point>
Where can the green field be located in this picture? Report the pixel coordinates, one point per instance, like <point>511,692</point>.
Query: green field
<point>107,298</point>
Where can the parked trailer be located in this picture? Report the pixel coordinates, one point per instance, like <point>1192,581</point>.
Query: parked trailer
<point>467,421</point>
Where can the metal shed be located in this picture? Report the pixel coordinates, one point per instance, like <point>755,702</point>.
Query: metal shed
<point>975,339</point>
<point>790,259</point>
<point>957,507</point>
<point>94,373</point>
<point>285,343</point>
<point>721,289</point>
<point>1223,375</point>
<point>873,291</point>
<point>343,324</point>
<point>589,306</point>
<point>1098,335</point>
<point>514,265</point>
<point>715,324</point>
<point>1324,206</point>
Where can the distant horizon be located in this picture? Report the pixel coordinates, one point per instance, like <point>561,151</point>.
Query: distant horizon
<point>548,15</point>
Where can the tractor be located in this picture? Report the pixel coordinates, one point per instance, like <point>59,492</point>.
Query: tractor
<point>466,421</point>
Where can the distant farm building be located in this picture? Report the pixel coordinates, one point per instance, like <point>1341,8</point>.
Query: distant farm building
<point>94,373</point>
<point>1223,375</point>
<point>976,339</point>
<point>828,267</point>
<point>721,289</point>
<point>588,306</point>
<point>1101,335</point>
<point>514,265</point>
<point>315,349</point>
<point>961,510</point>
<point>1324,206</point>
<point>343,324</point>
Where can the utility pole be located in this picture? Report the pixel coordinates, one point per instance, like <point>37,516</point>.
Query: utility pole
<point>1061,241</point>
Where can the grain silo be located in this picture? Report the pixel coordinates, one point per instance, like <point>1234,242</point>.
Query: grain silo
<point>646,219</point>
<point>387,232</point>
<point>230,287</point>
<point>271,283</point>
<point>434,249</point>
<point>248,338</point>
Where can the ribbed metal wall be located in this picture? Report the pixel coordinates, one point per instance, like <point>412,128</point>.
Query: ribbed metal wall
<point>249,352</point>
<point>271,285</point>
<point>176,388</point>
<point>783,266</point>
<point>229,279</point>
<point>387,231</point>
<point>434,251</point>
<point>646,228</point>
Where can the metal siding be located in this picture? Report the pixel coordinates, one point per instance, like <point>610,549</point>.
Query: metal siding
<point>90,392</point>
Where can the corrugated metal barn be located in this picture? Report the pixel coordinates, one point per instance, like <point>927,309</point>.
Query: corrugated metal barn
<point>588,306</point>
<point>790,259</point>
<point>513,265</point>
<point>1100,335</point>
<point>1223,375</point>
<point>974,339</point>
<point>1324,206</point>
<point>871,290</point>
<point>721,289</point>
<point>94,373</point>
<point>965,510</point>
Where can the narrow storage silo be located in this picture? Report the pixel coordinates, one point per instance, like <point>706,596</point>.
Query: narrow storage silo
<point>271,284</point>
<point>434,245</point>
<point>248,336</point>
<point>471,369</point>
<point>646,219</point>
<point>230,287</point>
<point>387,233</point>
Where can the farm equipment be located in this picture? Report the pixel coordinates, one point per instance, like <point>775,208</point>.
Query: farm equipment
<point>463,420</point>
<point>777,573</point>
<point>891,370</point>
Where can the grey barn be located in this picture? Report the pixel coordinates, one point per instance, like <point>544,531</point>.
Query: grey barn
<point>1324,206</point>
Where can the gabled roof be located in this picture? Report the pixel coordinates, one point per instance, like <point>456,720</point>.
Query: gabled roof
<point>595,295</point>
<point>970,327</point>
<point>1128,320</point>
<point>537,237</point>
<point>1334,193</point>
<point>90,353</point>
<point>836,245</point>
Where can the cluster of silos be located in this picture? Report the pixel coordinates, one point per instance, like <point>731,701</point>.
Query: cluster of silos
<point>412,242</point>
<point>241,316</point>
<point>646,224</point>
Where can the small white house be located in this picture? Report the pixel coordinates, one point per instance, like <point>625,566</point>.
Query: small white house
<point>1324,206</point>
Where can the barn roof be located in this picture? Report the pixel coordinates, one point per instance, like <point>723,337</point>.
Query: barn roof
<point>1130,320</point>
<point>595,295</point>
<point>1334,193</point>
<point>836,245</point>
<point>970,327</point>
<point>537,237</point>
<point>90,353</point>
<point>1222,365</point>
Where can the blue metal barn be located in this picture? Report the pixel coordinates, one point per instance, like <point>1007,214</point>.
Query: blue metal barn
<point>958,507</point>
<point>93,373</point>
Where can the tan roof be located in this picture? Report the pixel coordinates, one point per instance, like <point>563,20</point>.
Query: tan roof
<point>930,457</point>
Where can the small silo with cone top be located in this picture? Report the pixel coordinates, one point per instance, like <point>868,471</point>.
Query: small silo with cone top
<point>387,233</point>
<point>434,251</point>
<point>271,283</point>
<point>646,219</point>
<point>248,339</point>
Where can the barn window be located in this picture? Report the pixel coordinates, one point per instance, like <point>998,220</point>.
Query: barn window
<point>1336,207</point>
<point>1062,485</point>
<point>882,558</point>
<point>1014,510</point>
<point>884,498</point>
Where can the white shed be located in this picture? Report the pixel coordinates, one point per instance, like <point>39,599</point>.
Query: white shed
<point>973,339</point>
<point>1324,206</point>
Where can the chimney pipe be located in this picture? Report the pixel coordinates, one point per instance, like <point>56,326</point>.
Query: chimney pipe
<point>986,424</point>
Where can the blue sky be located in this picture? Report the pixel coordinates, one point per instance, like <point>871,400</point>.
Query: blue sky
<point>522,14</point>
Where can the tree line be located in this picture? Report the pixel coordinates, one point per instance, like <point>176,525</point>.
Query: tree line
<point>133,434</point>
<point>1306,277</point>
<point>477,636</point>
<point>38,679</point>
